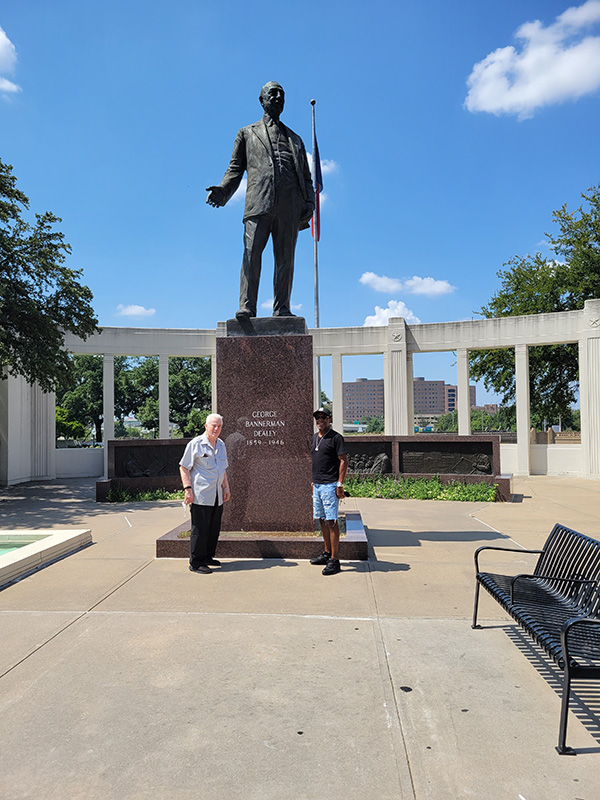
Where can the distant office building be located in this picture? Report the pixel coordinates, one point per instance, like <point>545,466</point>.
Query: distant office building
<point>363,398</point>
<point>437,397</point>
<point>490,408</point>
<point>451,397</point>
<point>429,396</point>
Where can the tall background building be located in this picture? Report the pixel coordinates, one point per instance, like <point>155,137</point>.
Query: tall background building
<point>364,398</point>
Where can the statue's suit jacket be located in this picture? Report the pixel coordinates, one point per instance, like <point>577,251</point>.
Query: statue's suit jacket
<point>253,153</point>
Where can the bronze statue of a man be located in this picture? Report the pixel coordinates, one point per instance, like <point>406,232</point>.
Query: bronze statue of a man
<point>279,199</point>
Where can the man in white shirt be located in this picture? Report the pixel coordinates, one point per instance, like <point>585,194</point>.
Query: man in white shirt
<point>203,471</point>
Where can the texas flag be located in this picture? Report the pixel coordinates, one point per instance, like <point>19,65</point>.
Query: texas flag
<point>318,181</point>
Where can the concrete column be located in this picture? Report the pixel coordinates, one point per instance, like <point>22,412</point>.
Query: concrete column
<point>464,398</point>
<point>213,383</point>
<point>337,393</point>
<point>523,417</point>
<point>108,408</point>
<point>316,381</point>
<point>589,392</point>
<point>163,397</point>
<point>397,381</point>
<point>410,394</point>
<point>43,434</point>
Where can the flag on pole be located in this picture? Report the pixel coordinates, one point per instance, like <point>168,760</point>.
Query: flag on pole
<point>318,181</point>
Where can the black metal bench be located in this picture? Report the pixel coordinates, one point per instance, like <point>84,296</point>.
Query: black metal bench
<point>558,605</point>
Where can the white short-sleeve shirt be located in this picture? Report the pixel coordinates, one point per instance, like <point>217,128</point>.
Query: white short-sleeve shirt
<point>207,465</point>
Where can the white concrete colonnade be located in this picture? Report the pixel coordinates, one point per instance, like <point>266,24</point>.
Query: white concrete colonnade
<point>27,416</point>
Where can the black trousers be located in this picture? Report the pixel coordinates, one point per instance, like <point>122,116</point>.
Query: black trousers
<point>206,527</point>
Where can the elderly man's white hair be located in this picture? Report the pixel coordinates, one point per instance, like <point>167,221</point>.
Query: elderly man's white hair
<point>214,416</point>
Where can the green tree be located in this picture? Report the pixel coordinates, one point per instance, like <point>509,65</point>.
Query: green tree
<point>69,428</point>
<point>537,285</point>
<point>190,393</point>
<point>374,424</point>
<point>136,393</point>
<point>80,391</point>
<point>147,414</point>
<point>195,422</point>
<point>504,420</point>
<point>40,298</point>
<point>447,422</point>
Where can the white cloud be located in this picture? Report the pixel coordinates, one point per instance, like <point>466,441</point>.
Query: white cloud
<point>381,283</point>
<point>8,87</point>
<point>328,165</point>
<point>428,286</point>
<point>240,192</point>
<point>268,304</point>
<point>8,53</point>
<point>553,64</point>
<point>134,311</point>
<point>415,285</point>
<point>8,62</point>
<point>395,308</point>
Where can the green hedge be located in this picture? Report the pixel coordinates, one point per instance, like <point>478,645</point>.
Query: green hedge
<point>419,489</point>
<point>377,486</point>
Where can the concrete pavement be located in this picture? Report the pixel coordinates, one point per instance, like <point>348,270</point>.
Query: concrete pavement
<point>126,677</point>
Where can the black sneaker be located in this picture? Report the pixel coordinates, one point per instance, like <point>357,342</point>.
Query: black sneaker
<point>322,559</point>
<point>212,562</point>
<point>333,566</point>
<point>203,569</point>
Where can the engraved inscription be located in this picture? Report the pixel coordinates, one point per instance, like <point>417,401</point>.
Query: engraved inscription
<point>264,427</point>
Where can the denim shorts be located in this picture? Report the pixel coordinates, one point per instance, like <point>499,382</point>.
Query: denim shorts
<point>325,501</point>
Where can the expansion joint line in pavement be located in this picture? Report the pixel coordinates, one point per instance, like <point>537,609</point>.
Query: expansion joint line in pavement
<point>79,616</point>
<point>491,527</point>
<point>402,759</point>
<point>43,644</point>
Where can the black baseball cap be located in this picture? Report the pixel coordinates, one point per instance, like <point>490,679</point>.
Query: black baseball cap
<point>325,411</point>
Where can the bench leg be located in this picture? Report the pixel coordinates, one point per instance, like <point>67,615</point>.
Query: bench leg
<point>562,748</point>
<point>476,606</point>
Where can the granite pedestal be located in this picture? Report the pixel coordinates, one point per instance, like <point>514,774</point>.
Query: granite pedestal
<point>353,544</point>
<point>265,395</point>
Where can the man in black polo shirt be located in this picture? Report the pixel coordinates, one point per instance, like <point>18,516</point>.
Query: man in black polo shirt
<point>329,466</point>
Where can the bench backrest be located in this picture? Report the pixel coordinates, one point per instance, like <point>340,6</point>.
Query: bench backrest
<point>569,554</point>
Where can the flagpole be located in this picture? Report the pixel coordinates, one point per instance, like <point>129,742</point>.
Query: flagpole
<point>316,224</point>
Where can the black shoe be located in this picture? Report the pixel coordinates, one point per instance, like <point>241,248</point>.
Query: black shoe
<point>322,559</point>
<point>202,569</point>
<point>333,566</point>
<point>244,313</point>
<point>213,562</point>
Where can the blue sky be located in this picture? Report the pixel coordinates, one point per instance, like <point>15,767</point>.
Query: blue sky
<point>448,133</point>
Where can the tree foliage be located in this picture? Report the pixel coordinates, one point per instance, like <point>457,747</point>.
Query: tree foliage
<point>80,391</point>
<point>504,420</point>
<point>538,285</point>
<point>69,428</point>
<point>40,298</point>
<point>190,393</point>
<point>374,424</point>
<point>136,393</point>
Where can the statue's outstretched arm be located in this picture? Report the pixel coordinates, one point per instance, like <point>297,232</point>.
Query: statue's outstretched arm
<point>219,195</point>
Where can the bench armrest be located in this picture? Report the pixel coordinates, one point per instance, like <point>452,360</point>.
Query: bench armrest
<point>568,627</point>
<point>505,549</point>
<point>549,578</point>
